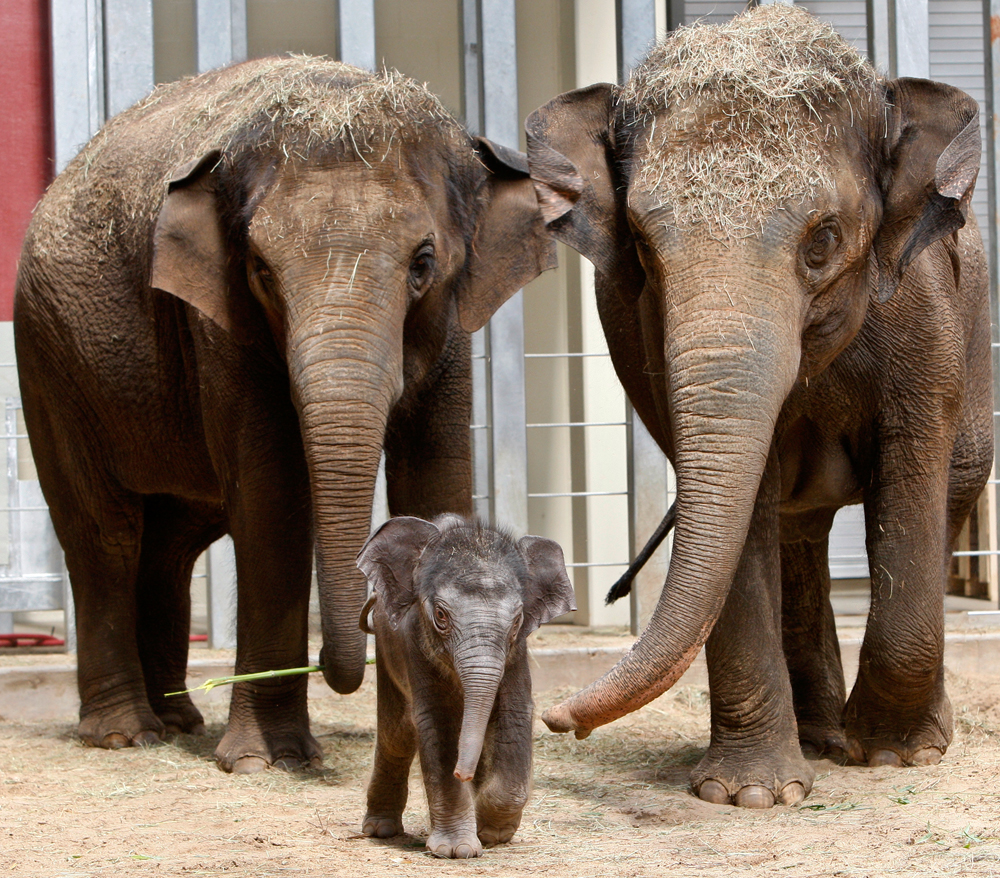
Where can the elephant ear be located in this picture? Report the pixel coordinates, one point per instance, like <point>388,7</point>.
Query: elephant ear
<point>190,259</point>
<point>571,159</point>
<point>510,245</point>
<point>932,154</point>
<point>549,592</point>
<point>389,558</point>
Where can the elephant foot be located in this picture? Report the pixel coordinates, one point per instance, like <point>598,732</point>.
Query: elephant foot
<point>757,784</point>
<point>823,743</point>
<point>184,719</point>
<point>117,731</point>
<point>497,827</point>
<point>461,844</point>
<point>382,825</point>
<point>492,834</point>
<point>880,735</point>
<point>285,751</point>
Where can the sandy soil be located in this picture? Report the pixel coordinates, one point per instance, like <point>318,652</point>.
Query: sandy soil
<point>615,804</point>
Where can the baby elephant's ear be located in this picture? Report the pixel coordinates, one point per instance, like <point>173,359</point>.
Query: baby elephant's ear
<point>388,559</point>
<point>549,593</point>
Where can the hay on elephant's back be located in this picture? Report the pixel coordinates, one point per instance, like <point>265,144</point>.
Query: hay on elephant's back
<point>735,113</point>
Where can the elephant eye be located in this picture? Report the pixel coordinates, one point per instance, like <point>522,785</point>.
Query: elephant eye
<point>422,267</point>
<point>824,243</point>
<point>261,277</point>
<point>441,621</point>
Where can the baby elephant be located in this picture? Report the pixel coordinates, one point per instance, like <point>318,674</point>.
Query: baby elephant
<point>453,604</point>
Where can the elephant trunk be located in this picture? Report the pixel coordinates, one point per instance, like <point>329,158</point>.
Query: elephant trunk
<point>480,673</point>
<point>343,392</point>
<point>728,374</point>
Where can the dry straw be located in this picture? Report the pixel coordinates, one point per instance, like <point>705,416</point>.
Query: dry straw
<point>737,115</point>
<point>284,108</point>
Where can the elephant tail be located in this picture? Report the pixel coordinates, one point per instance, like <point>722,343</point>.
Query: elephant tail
<point>624,584</point>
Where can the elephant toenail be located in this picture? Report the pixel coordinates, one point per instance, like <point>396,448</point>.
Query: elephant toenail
<point>249,765</point>
<point>884,757</point>
<point>714,792</point>
<point>754,797</point>
<point>855,752</point>
<point>927,756</point>
<point>792,793</point>
<point>146,739</point>
<point>115,741</point>
<point>287,763</point>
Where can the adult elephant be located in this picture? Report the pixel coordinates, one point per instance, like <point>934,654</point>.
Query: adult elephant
<point>238,294</point>
<point>794,297</point>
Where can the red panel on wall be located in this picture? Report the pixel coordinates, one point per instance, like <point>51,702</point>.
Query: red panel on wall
<point>25,129</point>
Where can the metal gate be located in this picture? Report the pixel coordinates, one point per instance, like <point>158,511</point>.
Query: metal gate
<point>556,448</point>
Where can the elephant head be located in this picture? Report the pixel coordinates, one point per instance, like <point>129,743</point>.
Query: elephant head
<point>466,596</point>
<point>746,198</point>
<point>343,223</point>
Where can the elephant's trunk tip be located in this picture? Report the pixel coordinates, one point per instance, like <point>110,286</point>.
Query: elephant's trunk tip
<point>468,762</point>
<point>560,719</point>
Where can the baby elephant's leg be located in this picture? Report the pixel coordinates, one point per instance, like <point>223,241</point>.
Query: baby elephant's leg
<point>453,814</point>
<point>395,745</point>
<point>503,781</point>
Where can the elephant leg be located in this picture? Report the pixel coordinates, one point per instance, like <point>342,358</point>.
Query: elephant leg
<point>450,801</point>
<point>427,446</point>
<point>503,779</point>
<point>268,719</point>
<point>754,759</point>
<point>395,747</point>
<point>812,651</point>
<point>102,556</point>
<point>898,712</point>
<point>176,532</point>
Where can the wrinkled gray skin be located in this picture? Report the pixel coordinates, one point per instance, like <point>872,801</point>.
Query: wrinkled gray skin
<point>224,315</point>
<point>452,606</point>
<point>838,355</point>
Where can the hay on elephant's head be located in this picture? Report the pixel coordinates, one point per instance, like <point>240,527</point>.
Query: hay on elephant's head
<point>737,114</point>
<point>299,104</point>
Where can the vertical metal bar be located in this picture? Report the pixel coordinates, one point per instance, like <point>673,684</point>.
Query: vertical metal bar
<point>77,74</point>
<point>220,32</point>
<point>913,38</point>
<point>221,594</point>
<point>472,108</point>
<point>647,466</point>
<point>991,30</point>
<point>128,53</point>
<point>472,71</point>
<point>880,43</point>
<point>356,32</point>
<point>501,123</point>
<point>636,32</point>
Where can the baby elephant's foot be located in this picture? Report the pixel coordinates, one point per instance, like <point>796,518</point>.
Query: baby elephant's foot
<point>460,845</point>
<point>491,834</point>
<point>382,825</point>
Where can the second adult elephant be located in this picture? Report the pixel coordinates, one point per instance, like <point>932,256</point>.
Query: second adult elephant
<point>239,293</point>
<point>795,299</point>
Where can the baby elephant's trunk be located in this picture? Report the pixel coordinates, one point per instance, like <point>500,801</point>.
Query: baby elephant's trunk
<point>480,678</point>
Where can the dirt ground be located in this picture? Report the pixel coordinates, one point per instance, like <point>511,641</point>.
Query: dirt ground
<point>616,804</point>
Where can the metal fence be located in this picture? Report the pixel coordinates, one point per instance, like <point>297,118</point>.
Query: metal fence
<point>103,60</point>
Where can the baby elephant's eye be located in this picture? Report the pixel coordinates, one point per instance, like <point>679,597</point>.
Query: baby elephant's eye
<point>441,620</point>
<point>824,243</point>
<point>422,267</point>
